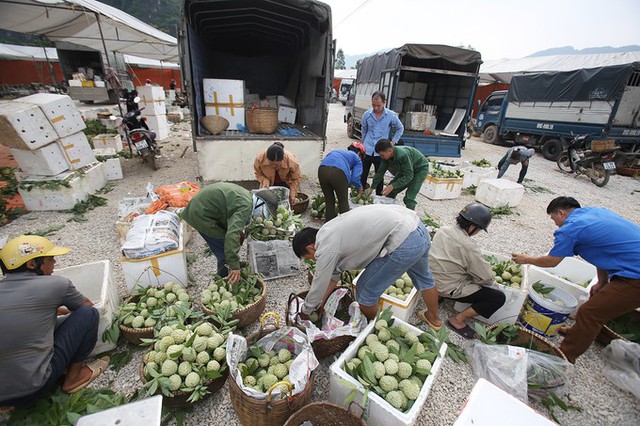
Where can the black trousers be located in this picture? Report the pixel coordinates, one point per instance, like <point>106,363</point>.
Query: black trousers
<point>334,185</point>
<point>367,161</point>
<point>485,301</point>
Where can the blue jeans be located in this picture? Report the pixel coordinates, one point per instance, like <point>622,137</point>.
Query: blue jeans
<point>73,341</point>
<point>412,257</point>
<point>217,248</point>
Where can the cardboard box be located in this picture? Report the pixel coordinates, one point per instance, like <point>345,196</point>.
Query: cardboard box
<point>225,98</point>
<point>24,126</point>
<point>499,192</point>
<point>107,141</point>
<point>441,189</point>
<point>60,111</point>
<point>50,160</point>
<point>77,150</point>
<point>287,114</point>
<point>159,124</point>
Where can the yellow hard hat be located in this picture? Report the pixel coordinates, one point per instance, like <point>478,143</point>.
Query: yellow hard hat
<point>20,250</point>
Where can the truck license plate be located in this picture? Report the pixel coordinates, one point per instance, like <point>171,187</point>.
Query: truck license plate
<point>609,165</point>
<point>141,145</point>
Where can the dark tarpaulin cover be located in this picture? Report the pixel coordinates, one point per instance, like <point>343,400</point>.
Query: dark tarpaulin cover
<point>372,66</point>
<point>594,84</point>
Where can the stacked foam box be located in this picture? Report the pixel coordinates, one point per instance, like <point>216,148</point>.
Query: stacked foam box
<point>44,132</point>
<point>226,99</point>
<point>152,99</point>
<point>499,192</point>
<point>111,161</point>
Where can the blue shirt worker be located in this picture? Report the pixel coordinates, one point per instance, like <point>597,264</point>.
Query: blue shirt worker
<point>515,155</point>
<point>377,123</point>
<point>609,242</point>
<point>339,169</point>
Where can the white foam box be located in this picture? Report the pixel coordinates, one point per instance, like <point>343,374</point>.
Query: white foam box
<point>75,83</point>
<point>225,98</point>
<point>413,104</point>
<point>420,121</point>
<point>402,309</point>
<point>379,412</point>
<point>94,178</point>
<point>159,124</point>
<point>95,281</point>
<point>113,169</point>
<point>77,150</point>
<point>419,90</point>
<point>147,412</point>
<point>480,409</point>
<point>149,93</point>
<point>60,111</point>
<point>284,101</point>
<point>24,126</point>
<point>473,175</point>
<point>404,89</point>
<point>49,160</point>
<point>441,189</point>
<point>287,114</point>
<point>514,297</point>
<point>170,266</point>
<point>152,106</point>
<point>499,192</point>
<point>98,83</point>
<point>580,293</point>
<point>106,141</point>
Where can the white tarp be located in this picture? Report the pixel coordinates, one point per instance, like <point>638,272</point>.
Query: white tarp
<point>350,73</point>
<point>76,21</point>
<point>503,69</point>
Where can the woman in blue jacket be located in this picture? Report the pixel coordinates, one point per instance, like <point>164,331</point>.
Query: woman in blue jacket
<point>339,169</point>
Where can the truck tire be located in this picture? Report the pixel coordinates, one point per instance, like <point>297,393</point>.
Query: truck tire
<point>351,128</point>
<point>490,135</point>
<point>551,149</point>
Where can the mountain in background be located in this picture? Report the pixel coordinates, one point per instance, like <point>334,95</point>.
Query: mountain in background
<point>570,50</point>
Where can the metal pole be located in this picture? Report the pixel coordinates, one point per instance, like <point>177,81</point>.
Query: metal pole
<point>51,70</point>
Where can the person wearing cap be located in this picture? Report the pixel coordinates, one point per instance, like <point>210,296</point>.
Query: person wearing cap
<point>409,167</point>
<point>36,350</point>
<point>278,167</point>
<point>384,240</point>
<point>515,155</point>
<point>461,271</point>
<point>339,169</point>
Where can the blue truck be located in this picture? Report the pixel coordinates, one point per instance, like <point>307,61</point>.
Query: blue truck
<point>431,87</point>
<point>544,110</point>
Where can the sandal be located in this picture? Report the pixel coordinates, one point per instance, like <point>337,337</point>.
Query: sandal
<point>97,367</point>
<point>466,332</point>
<point>423,317</point>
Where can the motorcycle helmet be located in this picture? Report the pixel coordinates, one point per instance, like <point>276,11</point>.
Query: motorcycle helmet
<point>358,148</point>
<point>478,214</point>
<point>22,249</point>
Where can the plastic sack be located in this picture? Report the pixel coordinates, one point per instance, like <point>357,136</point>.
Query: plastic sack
<point>547,373</point>
<point>177,195</point>
<point>379,199</point>
<point>286,337</point>
<point>503,365</point>
<point>622,365</point>
<point>260,207</point>
<point>151,235</point>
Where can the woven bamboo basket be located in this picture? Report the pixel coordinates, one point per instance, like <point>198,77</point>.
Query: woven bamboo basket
<point>323,347</point>
<point>603,145</point>
<point>326,414</point>
<point>607,334</point>
<point>309,277</point>
<point>179,399</point>
<point>300,207</point>
<point>267,412</point>
<point>628,171</point>
<point>214,124</point>
<point>262,120</point>
<point>134,335</point>
<point>249,314</point>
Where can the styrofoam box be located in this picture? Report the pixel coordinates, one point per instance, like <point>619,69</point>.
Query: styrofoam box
<point>77,150</point>
<point>580,293</point>
<point>405,89</point>
<point>152,106</point>
<point>157,270</point>
<point>113,169</point>
<point>514,299</point>
<point>225,98</point>
<point>402,309</point>
<point>287,114</point>
<point>155,93</point>
<point>95,281</point>
<point>49,160</point>
<point>284,101</point>
<point>499,192</point>
<point>61,112</point>
<point>473,175</point>
<point>75,83</point>
<point>420,121</point>
<point>441,189</point>
<point>480,409</point>
<point>379,412</point>
<point>94,178</point>
<point>105,140</point>
<point>159,124</point>
<point>24,126</point>
<point>419,90</point>
<point>147,412</point>
<point>99,83</point>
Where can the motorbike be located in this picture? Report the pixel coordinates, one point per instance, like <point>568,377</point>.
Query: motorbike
<point>597,166</point>
<point>143,139</point>
<point>131,99</point>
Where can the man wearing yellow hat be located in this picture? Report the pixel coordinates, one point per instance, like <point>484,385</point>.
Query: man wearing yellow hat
<point>34,353</point>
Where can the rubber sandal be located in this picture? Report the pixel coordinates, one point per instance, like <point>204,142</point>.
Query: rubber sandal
<point>97,367</point>
<point>466,332</point>
<point>422,317</point>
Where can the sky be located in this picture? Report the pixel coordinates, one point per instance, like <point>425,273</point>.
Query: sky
<point>496,28</point>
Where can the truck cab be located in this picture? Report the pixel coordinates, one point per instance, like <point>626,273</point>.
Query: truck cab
<point>489,115</point>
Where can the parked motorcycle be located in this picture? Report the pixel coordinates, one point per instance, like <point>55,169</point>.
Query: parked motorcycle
<point>143,139</point>
<point>580,161</point>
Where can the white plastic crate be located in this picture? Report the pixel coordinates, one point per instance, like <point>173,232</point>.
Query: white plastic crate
<point>147,412</point>
<point>159,124</point>
<point>113,169</point>
<point>95,281</point>
<point>379,412</point>
<point>473,175</point>
<point>107,141</point>
<point>499,192</point>
<point>24,126</point>
<point>226,98</point>
<point>580,293</point>
<point>60,110</point>
<point>515,297</point>
<point>49,160</point>
<point>157,270</point>
<point>402,309</point>
<point>77,150</point>
<point>441,189</point>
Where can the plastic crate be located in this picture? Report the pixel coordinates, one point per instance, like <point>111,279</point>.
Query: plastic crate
<point>441,189</point>
<point>499,192</point>
<point>402,309</point>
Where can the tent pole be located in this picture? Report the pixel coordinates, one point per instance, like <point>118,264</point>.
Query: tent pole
<point>104,45</point>
<point>51,70</point>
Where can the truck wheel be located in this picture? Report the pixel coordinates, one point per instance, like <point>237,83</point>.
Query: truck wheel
<point>351,128</point>
<point>551,149</point>
<point>490,135</point>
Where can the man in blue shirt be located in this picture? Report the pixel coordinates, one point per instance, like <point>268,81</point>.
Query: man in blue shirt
<point>339,169</point>
<point>609,242</point>
<point>376,124</point>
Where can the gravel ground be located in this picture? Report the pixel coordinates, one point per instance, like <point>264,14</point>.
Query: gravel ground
<point>529,230</point>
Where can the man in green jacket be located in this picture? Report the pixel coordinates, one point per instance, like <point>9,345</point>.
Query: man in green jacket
<point>409,167</point>
<point>220,212</point>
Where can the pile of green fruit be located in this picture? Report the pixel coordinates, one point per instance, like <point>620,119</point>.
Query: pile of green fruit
<point>262,370</point>
<point>544,290</point>
<point>430,221</point>
<point>318,207</point>
<point>394,362</point>
<point>481,163</point>
<point>361,199</point>
<point>185,358</point>
<point>436,171</point>
<point>225,299</point>
<point>280,227</point>
<point>152,304</point>
<point>506,272</point>
<point>401,288</point>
